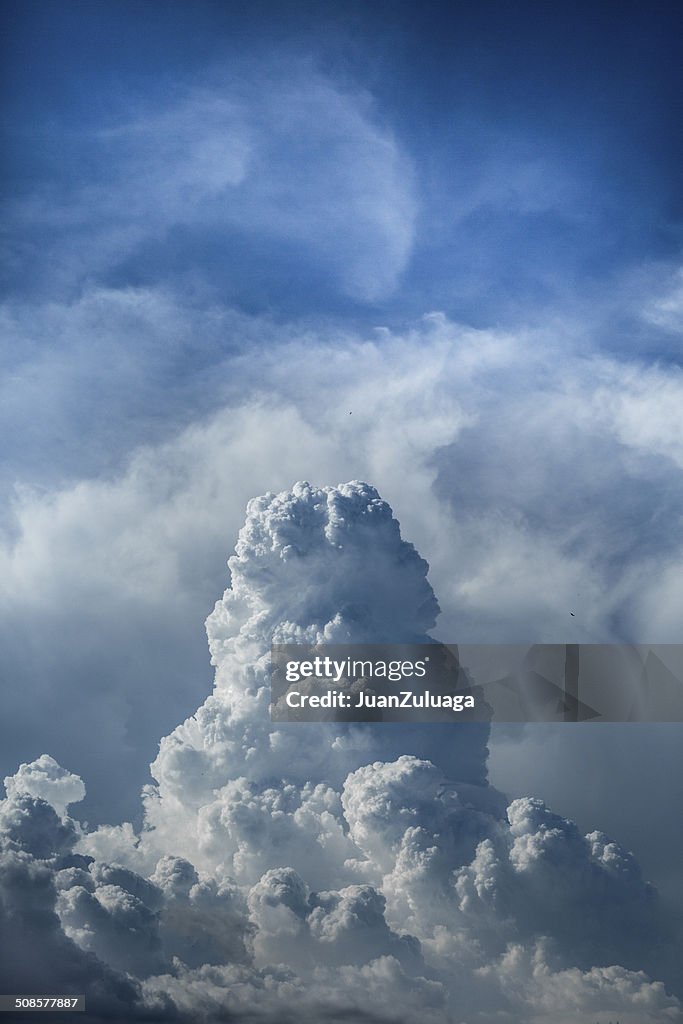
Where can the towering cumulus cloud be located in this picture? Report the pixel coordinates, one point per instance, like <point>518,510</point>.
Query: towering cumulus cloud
<point>319,871</point>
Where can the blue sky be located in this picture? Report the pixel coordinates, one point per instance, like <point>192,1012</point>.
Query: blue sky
<point>230,226</point>
<point>542,141</point>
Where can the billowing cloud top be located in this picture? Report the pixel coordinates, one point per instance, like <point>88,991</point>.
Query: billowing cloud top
<point>323,564</point>
<point>314,871</point>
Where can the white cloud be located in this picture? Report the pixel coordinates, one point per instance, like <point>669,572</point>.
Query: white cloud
<point>570,996</point>
<point>511,461</point>
<point>666,310</point>
<point>45,779</point>
<point>30,824</point>
<point>33,942</point>
<point>289,158</point>
<point>115,925</point>
<point>336,876</point>
<point>645,413</point>
<point>319,873</point>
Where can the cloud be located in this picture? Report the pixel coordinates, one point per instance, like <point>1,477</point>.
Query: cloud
<point>354,872</point>
<point>36,859</point>
<point>512,460</point>
<point>29,823</point>
<point>666,309</point>
<point>359,873</point>
<point>378,991</point>
<point>37,955</point>
<point>571,995</point>
<point>282,162</point>
<point>304,928</point>
<point>47,780</point>
<point>324,563</point>
<point>549,879</point>
<point>115,925</point>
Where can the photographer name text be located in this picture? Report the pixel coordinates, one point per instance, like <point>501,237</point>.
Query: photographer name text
<point>367,699</point>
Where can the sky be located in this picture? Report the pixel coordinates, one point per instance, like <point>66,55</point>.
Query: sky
<point>433,247</point>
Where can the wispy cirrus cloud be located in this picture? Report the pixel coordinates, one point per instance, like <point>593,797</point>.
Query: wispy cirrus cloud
<point>286,164</point>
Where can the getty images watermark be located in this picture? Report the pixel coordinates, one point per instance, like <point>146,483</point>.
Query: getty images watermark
<point>477,682</point>
<point>372,695</point>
